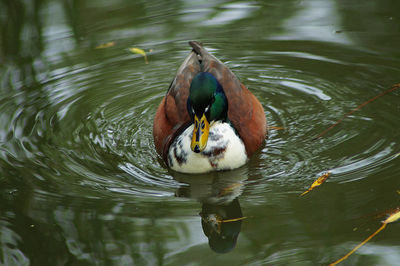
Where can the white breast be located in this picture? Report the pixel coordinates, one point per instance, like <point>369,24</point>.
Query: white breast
<point>224,151</point>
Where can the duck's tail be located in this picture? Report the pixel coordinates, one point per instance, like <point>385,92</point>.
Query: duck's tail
<point>197,47</point>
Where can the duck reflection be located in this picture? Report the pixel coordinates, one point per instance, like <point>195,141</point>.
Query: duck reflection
<point>221,214</point>
<point>221,224</point>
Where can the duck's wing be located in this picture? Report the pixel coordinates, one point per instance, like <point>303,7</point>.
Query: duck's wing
<point>172,117</point>
<point>244,110</point>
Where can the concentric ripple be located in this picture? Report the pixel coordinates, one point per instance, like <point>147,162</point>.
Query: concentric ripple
<point>81,182</point>
<point>98,131</point>
<point>304,104</point>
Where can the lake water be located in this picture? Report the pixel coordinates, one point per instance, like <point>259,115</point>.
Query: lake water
<point>81,183</point>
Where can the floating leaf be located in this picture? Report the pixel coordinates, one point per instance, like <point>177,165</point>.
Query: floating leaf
<point>392,218</point>
<point>139,51</point>
<point>105,45</point>
<point>317,182</point>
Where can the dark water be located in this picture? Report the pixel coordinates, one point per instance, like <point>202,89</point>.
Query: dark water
<point>81,183</point>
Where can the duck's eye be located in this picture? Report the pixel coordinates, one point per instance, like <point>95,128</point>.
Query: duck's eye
<point>207,108</point>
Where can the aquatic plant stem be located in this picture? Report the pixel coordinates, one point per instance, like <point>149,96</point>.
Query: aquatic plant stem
<point>394,87</point>
<point>359,245</point>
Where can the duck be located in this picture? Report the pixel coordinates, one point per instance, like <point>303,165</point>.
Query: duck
<point>208,120</point>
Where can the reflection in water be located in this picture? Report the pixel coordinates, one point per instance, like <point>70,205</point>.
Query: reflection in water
<point>221,215</point>
<point>221,224</point>
<point>315,20</point>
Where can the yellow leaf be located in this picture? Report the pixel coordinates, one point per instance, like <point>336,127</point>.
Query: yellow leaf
<point>317,182</point>
<point>139,51</point>
<point>397,155</point>
<point>105,45</point>
<point>393,217</point>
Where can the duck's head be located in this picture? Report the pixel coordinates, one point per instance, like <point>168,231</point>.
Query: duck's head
<point>206,103</point>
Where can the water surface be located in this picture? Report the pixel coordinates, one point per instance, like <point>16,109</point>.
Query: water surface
<point>80,180</point>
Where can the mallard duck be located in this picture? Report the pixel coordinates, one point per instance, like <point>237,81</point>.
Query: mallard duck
<point>208,120</point>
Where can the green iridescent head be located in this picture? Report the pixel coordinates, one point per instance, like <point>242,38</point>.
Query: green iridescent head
<point>206,103</point>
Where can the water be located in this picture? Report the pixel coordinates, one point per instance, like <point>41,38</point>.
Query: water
<point>80,180</point>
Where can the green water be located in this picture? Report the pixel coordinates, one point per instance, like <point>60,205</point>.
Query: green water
<point>81,183</point>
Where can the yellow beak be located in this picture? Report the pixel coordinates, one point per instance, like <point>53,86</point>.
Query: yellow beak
<point>200,134</point>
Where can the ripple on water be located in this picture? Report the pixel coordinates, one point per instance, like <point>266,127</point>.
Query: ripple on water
<point>87,131</point>
<point>304,104</point>
<point>123,130</point>
<point>94,127</point>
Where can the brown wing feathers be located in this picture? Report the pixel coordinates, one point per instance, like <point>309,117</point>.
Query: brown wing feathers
<point>245,111</point>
